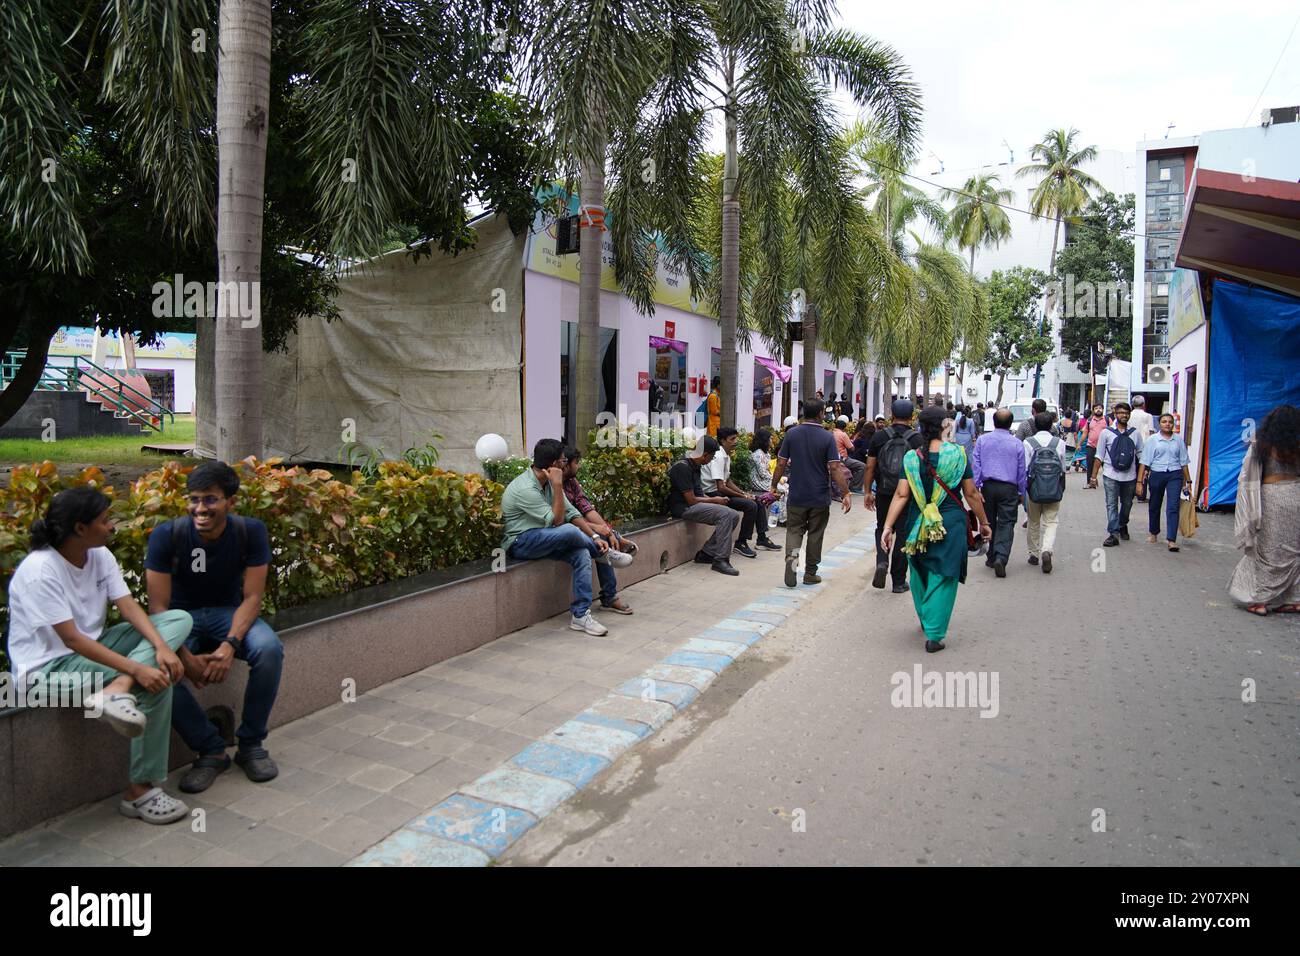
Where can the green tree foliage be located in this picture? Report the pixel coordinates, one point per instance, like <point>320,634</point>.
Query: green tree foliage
<point>1015,340</point>
<point>1097,260</point>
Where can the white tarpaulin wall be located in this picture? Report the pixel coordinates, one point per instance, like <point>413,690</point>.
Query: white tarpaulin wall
<point>418,347</point>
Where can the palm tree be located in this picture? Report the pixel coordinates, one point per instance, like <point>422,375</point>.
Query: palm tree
<point>977,219</point>
<point>1063,191</point>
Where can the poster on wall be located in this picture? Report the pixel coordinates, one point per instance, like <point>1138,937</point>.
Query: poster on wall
<point>1186,313</point>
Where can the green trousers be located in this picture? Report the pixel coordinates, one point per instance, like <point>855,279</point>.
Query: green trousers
<point>149,750</point>
<point>934,596</point>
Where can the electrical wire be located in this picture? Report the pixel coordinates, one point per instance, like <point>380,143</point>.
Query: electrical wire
<point>1285,45</point>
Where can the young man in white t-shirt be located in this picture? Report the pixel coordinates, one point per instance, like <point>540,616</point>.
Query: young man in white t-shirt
<point>716,478</point>
<point>58,604</point>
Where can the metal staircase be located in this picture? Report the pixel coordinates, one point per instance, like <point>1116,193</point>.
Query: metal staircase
<point>104,386</point>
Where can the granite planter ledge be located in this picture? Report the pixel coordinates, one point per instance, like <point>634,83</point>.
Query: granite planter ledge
<point>52,760</point>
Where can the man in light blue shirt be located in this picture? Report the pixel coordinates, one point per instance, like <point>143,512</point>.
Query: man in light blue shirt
<point>1163,467</point>
<point>1118,463</point>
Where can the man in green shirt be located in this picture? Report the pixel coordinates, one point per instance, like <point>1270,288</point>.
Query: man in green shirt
<point>541,523</point>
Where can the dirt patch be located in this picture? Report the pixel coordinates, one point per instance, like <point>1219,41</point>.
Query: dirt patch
<point>118,475</point>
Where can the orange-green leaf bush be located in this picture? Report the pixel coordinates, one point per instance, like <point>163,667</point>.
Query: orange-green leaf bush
<point>625,481</point>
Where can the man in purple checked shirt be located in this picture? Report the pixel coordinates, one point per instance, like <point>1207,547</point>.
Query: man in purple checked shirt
<point>998,464</point>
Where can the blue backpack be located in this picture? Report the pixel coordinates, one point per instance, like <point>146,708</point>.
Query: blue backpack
<point>1122,449</point>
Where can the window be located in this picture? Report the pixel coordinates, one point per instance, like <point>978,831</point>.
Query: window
<point>1162,290</point>
<point>1164,174</point>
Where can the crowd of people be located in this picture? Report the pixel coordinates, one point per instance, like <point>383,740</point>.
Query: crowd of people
<point>943,487</point>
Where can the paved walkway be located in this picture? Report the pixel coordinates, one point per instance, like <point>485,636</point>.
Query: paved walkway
<point>469,752</point>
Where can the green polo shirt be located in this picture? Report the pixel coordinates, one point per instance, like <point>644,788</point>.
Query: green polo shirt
<point>527,504</point>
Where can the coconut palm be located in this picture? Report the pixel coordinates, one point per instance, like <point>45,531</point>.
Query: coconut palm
<point>977,219</point>
<point>1062,192</point>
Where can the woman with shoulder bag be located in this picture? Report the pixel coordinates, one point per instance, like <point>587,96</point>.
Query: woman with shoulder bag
<point>938,526</point>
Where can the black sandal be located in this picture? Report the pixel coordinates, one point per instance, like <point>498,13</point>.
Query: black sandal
<point>204,773</point>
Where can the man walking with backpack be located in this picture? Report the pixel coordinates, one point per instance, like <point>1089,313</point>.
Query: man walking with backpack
<point>1045,458</point>
<point>1118,448</point>
<point>884,467</point>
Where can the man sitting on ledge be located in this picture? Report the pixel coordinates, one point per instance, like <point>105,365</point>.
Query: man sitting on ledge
<point>214,563</point>
<point>541,523</point>
<point>686,500</point>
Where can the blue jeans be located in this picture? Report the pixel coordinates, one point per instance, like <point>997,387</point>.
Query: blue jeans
<point>261,650</point>
<point>1167,485</point>
<point>1119,502</point>
<point>568,543</point>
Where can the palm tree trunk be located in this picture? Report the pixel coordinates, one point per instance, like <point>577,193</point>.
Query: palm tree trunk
<point>912,394</point>
<point>729,280</point>
<point>243,107</point>
<point>592,198</point>
<point>1056,232</point>
<point>787,359</point>
<point>925,386</point>
<point>809,376</point>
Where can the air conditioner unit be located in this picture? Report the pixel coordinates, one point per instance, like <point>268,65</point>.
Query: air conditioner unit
<point>972,392</point>
<point>1158,374</point>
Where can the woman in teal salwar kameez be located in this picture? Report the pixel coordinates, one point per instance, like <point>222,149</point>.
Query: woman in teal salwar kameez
<point>935,523</point>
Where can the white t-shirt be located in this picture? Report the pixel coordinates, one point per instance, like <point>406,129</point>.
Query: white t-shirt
<point>1141,420</point>
<point>46,590</point>
<point>717,470</point>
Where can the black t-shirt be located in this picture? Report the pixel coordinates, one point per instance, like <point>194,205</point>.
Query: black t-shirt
<point>683,476</point>
<point>221,582</point>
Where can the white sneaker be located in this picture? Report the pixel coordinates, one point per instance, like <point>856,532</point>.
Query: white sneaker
<point>589,624</point>
<point>614,558</point>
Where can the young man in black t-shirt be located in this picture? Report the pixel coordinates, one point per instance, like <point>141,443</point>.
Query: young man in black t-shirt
<point>218,576</point>
<point>687,500</point>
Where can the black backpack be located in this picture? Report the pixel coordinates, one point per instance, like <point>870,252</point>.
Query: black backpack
<point>1122,449</point>
<point>889,460</point>
<point>1046,474</point>
<point>180,537</point>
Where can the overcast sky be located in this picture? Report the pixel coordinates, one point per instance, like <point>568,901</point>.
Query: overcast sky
<point>1118,70</point>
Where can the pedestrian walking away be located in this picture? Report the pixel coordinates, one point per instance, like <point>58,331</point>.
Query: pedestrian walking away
<point>884,471</point>
<point>1046,458</point>
<point>935,524</point>
<point>1141,420</point>
<point>809,453</point>
<point>1163,466</point>
<point>998,469</point>
<point>1118,448</point>
<point>1267,578</point>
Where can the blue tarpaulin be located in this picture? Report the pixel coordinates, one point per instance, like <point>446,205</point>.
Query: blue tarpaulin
<point>1254,354</point>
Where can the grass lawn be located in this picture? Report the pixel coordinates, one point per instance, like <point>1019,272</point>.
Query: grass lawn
<point>103,450</point>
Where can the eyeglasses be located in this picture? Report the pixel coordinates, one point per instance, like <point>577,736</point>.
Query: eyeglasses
<point>208,501</point>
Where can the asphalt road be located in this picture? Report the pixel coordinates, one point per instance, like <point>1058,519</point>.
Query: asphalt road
<point>1119,702</point>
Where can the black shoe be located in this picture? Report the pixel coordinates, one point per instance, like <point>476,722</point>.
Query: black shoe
<point>791,570</point>
<point>1000,568</point>
<point>811,578</point>
<point>1110,542</point>
<point>901,589</point>
<point>1033,559</point>
<point>1123,534</point>
<point>257,763</point>
<point>1047,562</point>
<point>204,772</point>
<point>702,558</point>
<point>746,550</point>
<point>988,562</point>
<point>933,646</point>
<point>767,544</point>
<point>723,566</point>
<point>878,579</point>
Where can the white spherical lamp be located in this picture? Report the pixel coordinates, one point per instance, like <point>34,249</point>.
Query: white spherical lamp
<point>491,448</point>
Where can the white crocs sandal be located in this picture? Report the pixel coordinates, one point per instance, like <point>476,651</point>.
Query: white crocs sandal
<point>154,807</point>
<point>120,711</point>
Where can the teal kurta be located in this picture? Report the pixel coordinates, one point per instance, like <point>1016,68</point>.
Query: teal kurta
<point>948,556</point>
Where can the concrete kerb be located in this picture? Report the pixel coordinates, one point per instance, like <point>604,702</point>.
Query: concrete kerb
<point>478,823</point>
